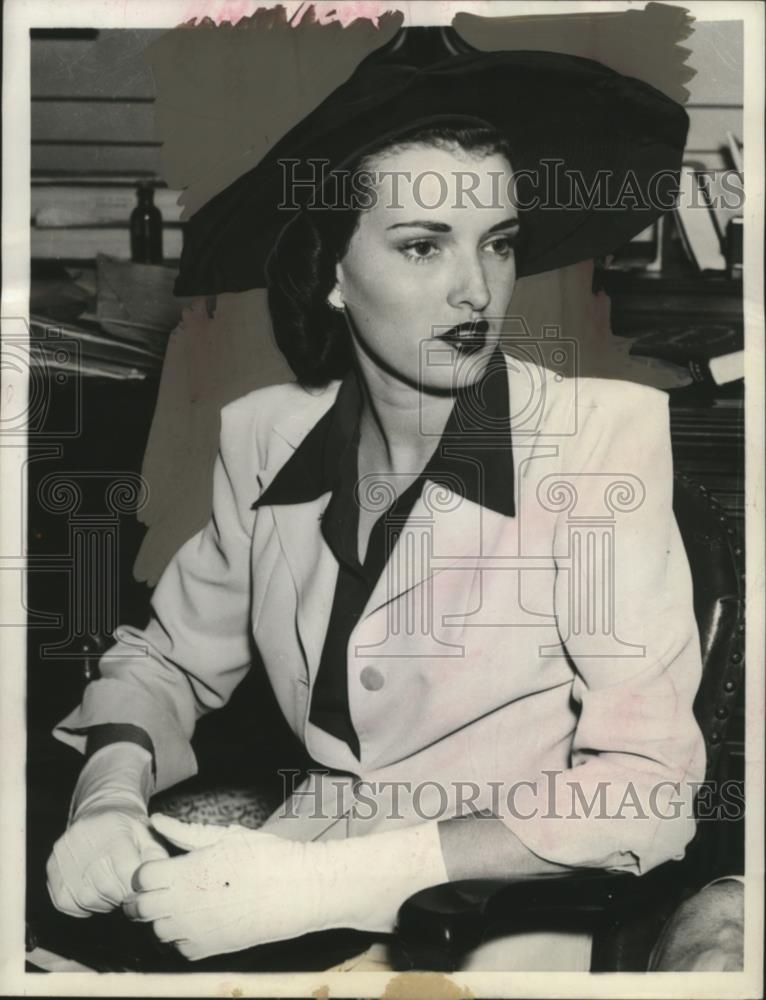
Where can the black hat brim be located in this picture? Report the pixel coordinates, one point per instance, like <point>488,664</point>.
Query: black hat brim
<point>564,117</point>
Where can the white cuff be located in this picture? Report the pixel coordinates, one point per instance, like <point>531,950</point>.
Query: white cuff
<point>117,775</point>
<point>372,876</point>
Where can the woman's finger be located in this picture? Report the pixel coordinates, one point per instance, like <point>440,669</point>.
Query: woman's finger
<point>62,897</point>
<point>187,836</point>
<point>98,892</point>
<point>167,930</point>
<point>144,907</point>
<point>148,845</point>
<point>152,875</point>
<point>117,868</point>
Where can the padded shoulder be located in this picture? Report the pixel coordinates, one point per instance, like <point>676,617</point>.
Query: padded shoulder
<point>252,419</point>
<point>612,393</point>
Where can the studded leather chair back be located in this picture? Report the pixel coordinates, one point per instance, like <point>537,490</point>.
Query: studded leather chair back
<point>716,561</point>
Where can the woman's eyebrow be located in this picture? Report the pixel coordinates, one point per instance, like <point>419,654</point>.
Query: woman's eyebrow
<point>505,224</point>
<point>434,227</point>
<point>442,227</point>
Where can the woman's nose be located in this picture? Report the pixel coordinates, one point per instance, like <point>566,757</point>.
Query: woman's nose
<point>469,285</point>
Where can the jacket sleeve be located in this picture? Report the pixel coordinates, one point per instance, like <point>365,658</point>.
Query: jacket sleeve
<point>195,649</point>
<point>625,615</point>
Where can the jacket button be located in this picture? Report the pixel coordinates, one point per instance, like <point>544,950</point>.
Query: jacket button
<point>372,679</point>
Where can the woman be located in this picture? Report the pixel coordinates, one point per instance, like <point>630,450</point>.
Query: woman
<point>400,533</point>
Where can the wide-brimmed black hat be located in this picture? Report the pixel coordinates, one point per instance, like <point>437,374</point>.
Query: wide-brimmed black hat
<point>599,153</point>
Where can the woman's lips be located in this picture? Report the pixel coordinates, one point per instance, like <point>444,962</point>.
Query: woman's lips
<point>467,337</point>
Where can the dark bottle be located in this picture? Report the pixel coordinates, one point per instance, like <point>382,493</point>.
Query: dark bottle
<point>146,227</point>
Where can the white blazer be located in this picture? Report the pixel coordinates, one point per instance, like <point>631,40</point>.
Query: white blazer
<point>541,666</point>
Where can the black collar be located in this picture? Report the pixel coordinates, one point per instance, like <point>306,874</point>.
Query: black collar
<point>473,457</point>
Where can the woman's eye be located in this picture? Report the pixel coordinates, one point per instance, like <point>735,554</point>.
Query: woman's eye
<point>420,250</point>
<point>501,246</point>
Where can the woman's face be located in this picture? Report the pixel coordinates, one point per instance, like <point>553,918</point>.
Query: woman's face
<point>433,253</point>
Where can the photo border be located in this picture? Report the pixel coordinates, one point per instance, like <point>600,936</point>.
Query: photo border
<point>19,17</point>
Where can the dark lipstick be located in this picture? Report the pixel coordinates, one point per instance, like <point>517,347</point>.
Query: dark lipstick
<point>468,338</point>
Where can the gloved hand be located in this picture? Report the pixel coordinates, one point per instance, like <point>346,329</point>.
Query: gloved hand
<point>237,887</point>
<point>108,836</point>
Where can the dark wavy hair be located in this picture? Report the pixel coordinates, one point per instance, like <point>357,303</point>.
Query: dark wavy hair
<point>300,271</point>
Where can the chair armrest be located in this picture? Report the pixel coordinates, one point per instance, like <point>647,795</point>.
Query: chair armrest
<point>437,926</point>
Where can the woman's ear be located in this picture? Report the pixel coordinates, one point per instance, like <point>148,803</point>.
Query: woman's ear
<point>335,299</point>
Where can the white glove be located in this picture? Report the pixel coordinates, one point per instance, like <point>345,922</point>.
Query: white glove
<point>238,887</point>
<point>108,836</point>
